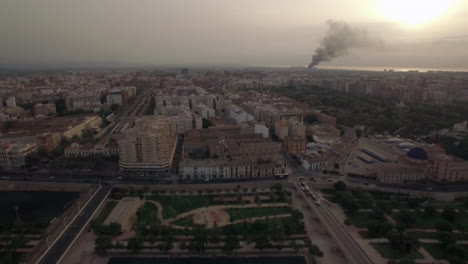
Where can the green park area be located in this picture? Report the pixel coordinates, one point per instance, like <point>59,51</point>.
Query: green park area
<point>223,220</point>
<point>405,223</point>
<point>246,213</point>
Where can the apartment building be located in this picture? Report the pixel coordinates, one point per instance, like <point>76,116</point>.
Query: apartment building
<point>148,146</point>
<point>44,110</point>
<point>13,155</point>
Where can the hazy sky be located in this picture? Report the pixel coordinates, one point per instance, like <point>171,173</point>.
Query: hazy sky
<point>417,33</point>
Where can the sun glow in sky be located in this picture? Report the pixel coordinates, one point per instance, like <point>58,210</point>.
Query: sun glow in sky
<point>415,12</point>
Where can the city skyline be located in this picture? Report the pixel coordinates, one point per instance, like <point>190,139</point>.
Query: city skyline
<point>155,33</point>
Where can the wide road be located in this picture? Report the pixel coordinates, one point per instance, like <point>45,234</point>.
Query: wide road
<point>57,250</point>
<point>351,250</point>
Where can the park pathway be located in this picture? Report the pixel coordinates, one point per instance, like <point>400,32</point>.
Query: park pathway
<point>216,207</point>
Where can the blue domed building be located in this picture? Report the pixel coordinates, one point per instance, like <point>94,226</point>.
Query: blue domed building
<point>417,154</point>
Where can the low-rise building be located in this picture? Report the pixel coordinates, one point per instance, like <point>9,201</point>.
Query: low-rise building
<point>49,141</point>
<point>13,155</point>
<point>449,169</point>
<point>295,145</point>
<point>105,147</point>
<point>44,110</point>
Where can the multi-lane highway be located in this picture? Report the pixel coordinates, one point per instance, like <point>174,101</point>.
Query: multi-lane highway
<point>351,250</point>
<point>56,251</point>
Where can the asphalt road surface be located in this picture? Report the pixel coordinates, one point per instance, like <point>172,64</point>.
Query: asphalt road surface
<point>351,250</point>
<point>57,250</point>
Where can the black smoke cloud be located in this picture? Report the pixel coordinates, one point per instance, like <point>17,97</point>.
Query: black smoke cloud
<point>340,38</point>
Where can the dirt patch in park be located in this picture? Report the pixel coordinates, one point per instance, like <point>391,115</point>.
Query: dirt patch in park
<point>209,217</point>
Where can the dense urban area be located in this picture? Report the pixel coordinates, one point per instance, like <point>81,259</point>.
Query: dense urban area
<point>308,166</point>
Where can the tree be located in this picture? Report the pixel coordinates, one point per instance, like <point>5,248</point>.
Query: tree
<point>257,199</point>
<point>231,243</point>
<point>444,226</point>
<point>293,244</point>
<point>261,242</point>
<point>379,214</point>
<point>385,207</point>
<point>378,229</point>
<point>114,229</point>
<point>315,251</point>
<point>429,211</point>
<point>348,202</point>
<point>406,218</point>
<point>401,242</point>
<point>114,107</point>
<point>307,242</point>
<point>446,238</point>
<point>449,214</point>
<point>339,186</point>
<point>134,244</point>
<point>215,235</point>
<point>167,241</point>
<point>366,199</point>
<point>456,254</point>
<point>200,239</point>
<point>60,106</point>
<point>358,133</point>
<point>102,244</point>
<point>309,119</point>
<point>206,123</point>
<point>412,203</point>
<point>277,187</point>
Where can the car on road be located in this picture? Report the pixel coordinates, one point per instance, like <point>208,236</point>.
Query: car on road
<point>317,203</point>
<point>52,177</point>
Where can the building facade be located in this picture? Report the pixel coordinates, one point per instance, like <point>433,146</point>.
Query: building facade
<point>148,146</point>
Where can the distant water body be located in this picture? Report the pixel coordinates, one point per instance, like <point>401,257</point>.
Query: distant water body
<point>227,260</point>
<point>371,68</point>
<point>399,69</point>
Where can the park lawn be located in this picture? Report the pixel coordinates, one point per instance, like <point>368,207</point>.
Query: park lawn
<point>108,207</point>
<point>424,222</point>
<point>458,206</point>
<point>246,213</point>
<point>362,219</point>
<point>186,221</point>
<point>147,214</point>
<point>462,218</point>
<point>290,226</point>
<point>423,235</point>
<point>389,253</point>
<point>174,205</point>
<point>394,204</point>
<point>436,250</point>
<point>12,257</point>
<point>421,221</point>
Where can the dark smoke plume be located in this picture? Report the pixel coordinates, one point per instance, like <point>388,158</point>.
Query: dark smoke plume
<point>340,38</point>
